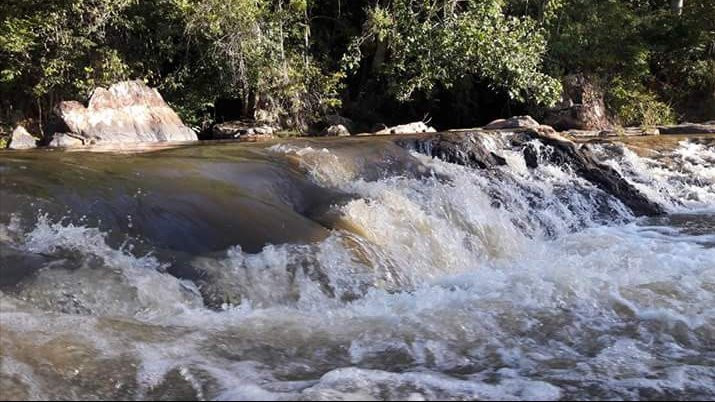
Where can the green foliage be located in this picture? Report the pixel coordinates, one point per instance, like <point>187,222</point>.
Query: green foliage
<point>291,62</point>
<point>636,106</point>
<point>260,52</point>
<point>650,55</point>
<point>440,43</point>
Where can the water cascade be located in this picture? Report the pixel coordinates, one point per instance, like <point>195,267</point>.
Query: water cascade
<point>456,266</point>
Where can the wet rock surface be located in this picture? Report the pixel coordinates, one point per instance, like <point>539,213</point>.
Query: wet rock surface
<point>440,282</point>
<point>582,162</point>
<point>467,149</point>
<point>461,148</point>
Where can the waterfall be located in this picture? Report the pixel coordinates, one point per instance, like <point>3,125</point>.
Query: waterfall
<point>452,266</point>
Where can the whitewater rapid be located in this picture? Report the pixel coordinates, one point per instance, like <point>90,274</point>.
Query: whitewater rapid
<point>432,281</point>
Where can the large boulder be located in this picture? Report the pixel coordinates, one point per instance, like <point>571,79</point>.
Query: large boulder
<point>411,128</point>
<point>21,139</point>
<point>128,112</point>
<point>582,106</point>
<point>514,122</point>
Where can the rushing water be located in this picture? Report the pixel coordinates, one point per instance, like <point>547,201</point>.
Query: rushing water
<point>353,269</point>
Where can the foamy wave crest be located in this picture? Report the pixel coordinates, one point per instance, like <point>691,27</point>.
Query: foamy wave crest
<point>682,180</point>
<point>87,276</point>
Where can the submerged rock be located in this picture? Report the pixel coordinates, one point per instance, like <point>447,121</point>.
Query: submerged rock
<point>512,123</point>
<point>127,112</point>
<point>411,128</point>
<point>17,264</point>
<point>21,139</point>
<point>689,128</point>
<point>231,279</point>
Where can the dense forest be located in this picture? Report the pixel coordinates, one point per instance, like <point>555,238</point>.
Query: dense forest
<point>292,62</point>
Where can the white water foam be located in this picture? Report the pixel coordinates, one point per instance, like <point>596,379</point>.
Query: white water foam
<point>500,284</point>
<point>682,180</point>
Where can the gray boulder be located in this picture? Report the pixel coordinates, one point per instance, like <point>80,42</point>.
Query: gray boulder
<point>65,140</point>
<point>513,122</point>
<point>21,139</point>
<point>128,112</point>
<point>411,128</point>
<point>337,130</point>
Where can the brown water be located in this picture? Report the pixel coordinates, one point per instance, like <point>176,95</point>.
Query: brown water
<point>352,269</point>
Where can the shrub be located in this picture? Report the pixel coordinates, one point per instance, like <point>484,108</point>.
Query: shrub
<point>634,105</point>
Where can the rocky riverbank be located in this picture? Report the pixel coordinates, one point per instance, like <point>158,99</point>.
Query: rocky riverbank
<point>391,261</point>
<point>130,115</point>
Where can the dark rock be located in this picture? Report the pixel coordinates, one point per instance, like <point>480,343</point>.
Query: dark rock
<point>21,139</point>
<point>127,112</point>
<point>582,162</point>
<point>462,148</point>
<point>688,128</point>
<point>17,265</point>
<point>467,149</point>
<point>531,156</point>
<point>582,106</point>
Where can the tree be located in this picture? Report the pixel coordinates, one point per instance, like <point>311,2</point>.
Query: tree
<point>56,48</point>
<point>261,52</point>
<point>419,45</point>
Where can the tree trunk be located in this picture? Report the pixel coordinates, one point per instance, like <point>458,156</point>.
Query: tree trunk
<point>677,6</point>
<point>380,53</point>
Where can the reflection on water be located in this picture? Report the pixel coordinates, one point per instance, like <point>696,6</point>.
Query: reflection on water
<point>351,270</point>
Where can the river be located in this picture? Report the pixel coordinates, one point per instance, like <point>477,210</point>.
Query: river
<point>354,269</point>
